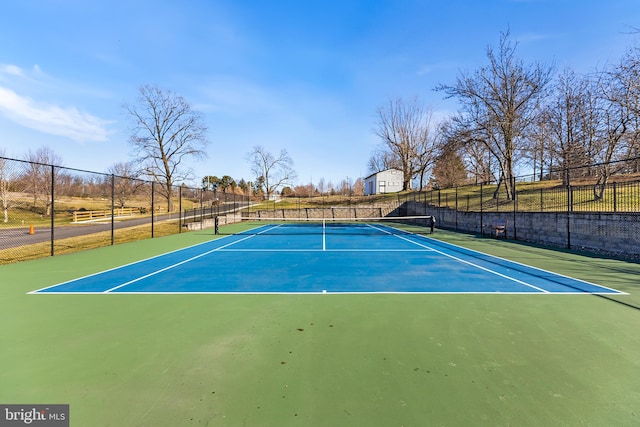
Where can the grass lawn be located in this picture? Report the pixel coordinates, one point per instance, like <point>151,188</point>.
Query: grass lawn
<point>322,360</point>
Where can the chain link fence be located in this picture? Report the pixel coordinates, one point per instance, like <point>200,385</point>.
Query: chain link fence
<point>47,210</point>
<point>208,206</point>
<point>593,215</point>
<point>320,207</point>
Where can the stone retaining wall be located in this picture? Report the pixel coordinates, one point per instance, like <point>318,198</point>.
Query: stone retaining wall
<point>616,234</point>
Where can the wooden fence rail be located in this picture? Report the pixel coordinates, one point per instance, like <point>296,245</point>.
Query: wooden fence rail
<point>80,216</point>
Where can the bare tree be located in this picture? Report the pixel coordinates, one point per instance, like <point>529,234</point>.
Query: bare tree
<point>620,91</point>
<point>456,136</point>
<point>126,182</point>
<point>428,150</point>
<point>570,119</point>
<point>617,93</point>
<point>630,67</point>
<point>322,186</point>
<point>358,187</point>
<point>498,103</point>
<point>449,169</point>
<point>307,190</point>
<point>382,159</point>
<point>166,133</point>
<point>407,140</point>
<point>346,187</point>
<point>42,173</point>
<point>538,148</point>
<point>6,183</point>
<point>271,172</point>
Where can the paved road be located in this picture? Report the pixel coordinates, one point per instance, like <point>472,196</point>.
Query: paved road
<point>18,237</point>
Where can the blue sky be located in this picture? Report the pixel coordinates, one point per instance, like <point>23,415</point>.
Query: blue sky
<point>306,76</point>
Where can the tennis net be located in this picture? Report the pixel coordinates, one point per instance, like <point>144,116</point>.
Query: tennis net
<point>352,225</point>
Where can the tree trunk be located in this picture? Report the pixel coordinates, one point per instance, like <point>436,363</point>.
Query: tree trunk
<point>496,193</point>
<point>406,182</point>
<point>600,186</point>
<point>169,198</point>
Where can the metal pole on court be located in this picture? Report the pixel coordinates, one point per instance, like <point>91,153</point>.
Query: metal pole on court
<point>180,209</point>
<point>153,207</point>
<point>53,207</point>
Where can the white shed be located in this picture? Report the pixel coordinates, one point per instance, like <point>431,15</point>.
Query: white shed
<point>386,181</point>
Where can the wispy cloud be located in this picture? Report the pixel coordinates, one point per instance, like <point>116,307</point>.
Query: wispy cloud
<point>52,119</point>
<point>12,75</point>
<point>45,117</point>
<point>10,69</point>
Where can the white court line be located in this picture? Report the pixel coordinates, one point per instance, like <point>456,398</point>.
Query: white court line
<point>226,248</point>
<point>324,236</point>
<point>323,293</point>
<point>465,262</point>
<point>130,264</point>
<point>186,260</point>
<point>329,250</point>
<point>617,292</point>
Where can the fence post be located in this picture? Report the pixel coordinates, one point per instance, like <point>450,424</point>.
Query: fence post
<point>456,208</point>
<point>113,196</point>
<point>424,197</point>
<point>615,197</point>
<point>53,208</point>
<point>153,207</point>
<point>481,210</point>
<point>180,209</point>
<point>569,209</point>
<point>541,200</point>
<point>515,210</point>
<point>201,210</point>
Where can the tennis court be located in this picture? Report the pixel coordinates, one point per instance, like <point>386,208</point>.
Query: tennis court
<point>235,329</point>
<point>355,256</point>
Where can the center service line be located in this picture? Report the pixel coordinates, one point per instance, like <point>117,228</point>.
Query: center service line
<point>324,236</point>
<point>467,262</point>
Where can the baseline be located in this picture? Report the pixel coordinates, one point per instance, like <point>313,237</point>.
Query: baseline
<point>103,280</point>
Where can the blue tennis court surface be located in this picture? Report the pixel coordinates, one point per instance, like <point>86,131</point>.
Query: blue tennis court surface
<point>331,258</point>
